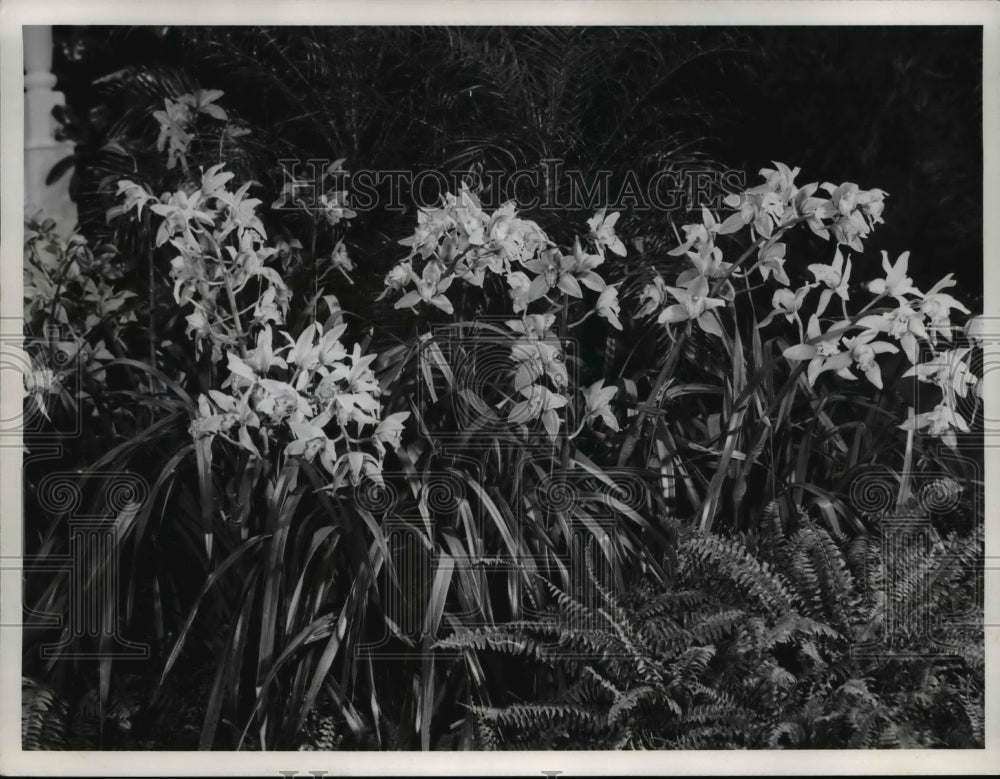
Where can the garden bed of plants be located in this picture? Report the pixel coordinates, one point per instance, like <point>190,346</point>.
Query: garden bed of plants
<point>470,473</point>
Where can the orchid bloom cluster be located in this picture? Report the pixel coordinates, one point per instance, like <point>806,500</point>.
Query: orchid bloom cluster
<point>459,241</point>
<point>325,202</point>
<point>220,249</point>
<point>305,387</point>
<point>294,392</point>
<point>845,345</point>
<point>848,215</point>
<point>538,365</point>
<point>331,202</point>
<point>919,321</point>
<point>69,302</point>
<point>177,120</point>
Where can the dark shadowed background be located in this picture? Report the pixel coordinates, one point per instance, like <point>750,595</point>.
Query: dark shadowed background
<point>897,108</point>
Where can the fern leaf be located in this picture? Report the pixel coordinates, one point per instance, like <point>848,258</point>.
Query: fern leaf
<point>751,576</point>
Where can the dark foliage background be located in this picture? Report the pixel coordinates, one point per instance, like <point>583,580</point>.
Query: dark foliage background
<point>899,106</point>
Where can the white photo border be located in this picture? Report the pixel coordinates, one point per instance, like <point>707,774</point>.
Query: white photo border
<point>16,13</point>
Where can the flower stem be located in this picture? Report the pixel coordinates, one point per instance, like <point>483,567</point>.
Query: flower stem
<point>563,330</point>
<point>632,439</point>
<point>579,321</point>
<point>236,314</point>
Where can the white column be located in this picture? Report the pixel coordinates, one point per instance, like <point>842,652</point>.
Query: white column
<point>41,149</point>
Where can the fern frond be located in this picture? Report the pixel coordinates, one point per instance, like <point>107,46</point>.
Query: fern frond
<point>536,718</point>
<point>635,697</point>
<point>838,591</point>
<point>509,643</point>
<point>731,560</point>
<point>43,717</point>
<point>671,602</point>
<point>712,628</point>
<point>692,664</point>
<point>795,732</point>
<point>795,627</point>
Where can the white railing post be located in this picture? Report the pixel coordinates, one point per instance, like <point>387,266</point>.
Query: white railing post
<point>41,149</point>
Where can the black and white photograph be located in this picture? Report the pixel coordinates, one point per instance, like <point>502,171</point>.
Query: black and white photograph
<point>586,381</point>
